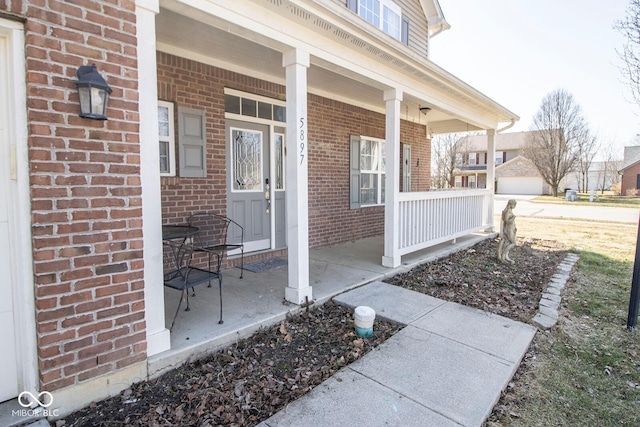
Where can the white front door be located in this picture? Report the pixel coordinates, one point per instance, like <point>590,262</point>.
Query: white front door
<point>8,358</point>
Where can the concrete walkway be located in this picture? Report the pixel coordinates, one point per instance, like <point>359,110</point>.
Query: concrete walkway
<point>447,367</point>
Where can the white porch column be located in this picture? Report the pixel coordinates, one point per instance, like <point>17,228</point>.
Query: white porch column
<point>296,63</point>
<point>158,339</point>
<point>392,258</point>
<point>491,171</point>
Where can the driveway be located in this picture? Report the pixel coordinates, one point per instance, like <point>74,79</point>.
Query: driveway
<point>526,207</point>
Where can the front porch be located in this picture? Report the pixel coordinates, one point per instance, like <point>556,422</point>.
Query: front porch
<point>257,301</point>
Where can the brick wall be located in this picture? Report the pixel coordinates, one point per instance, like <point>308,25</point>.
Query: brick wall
<point>519,166</point>
<point>629,181</point>
<point>191,84</point>
<point>85,191</point>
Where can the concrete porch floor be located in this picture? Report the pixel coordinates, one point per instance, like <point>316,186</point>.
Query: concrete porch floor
<point>257,300</point>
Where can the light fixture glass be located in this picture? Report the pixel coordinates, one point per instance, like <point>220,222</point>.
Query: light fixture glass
<point>93,92</point>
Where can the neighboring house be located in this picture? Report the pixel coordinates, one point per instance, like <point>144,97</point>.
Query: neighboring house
<point>514,173</point>
<point>630,171</point>
<point>301,119</point>
<point>602,175</point>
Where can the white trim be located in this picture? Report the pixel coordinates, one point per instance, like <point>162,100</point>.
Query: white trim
<point>158,337</point>
<point>251,119</point>
<point>379,172</point>
<point>20,211</point>
<point>254,246</point>
<point>171,138</point>
<point>249,95</point>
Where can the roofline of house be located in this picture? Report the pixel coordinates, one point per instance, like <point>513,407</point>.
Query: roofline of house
<point>420,64</point>
<point>628,166</point>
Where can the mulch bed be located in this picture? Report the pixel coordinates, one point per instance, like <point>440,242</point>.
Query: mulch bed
<point>475,278</point>
<point>246,383</point>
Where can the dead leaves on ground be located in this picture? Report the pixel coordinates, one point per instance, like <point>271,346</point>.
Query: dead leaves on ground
<point>245,384</point>
<point>474,277</point>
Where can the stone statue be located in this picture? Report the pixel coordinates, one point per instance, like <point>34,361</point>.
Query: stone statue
<point>507,232</point>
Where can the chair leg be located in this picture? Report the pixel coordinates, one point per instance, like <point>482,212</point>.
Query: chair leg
<point>186,292</point>
<point>220,322</point>
<point>175,316</point>
<point>209,256</point>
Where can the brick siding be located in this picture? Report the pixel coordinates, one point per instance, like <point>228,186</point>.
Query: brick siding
<point>85,191</point>
<point>629,181</point>
<point>191,84</point>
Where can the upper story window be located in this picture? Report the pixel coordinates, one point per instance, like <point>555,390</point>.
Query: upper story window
<point>473,159</point>
<point>499,157</point>
<point>384,14</point>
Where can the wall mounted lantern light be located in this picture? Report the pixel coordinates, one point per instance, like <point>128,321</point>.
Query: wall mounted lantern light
<point>93,91</point>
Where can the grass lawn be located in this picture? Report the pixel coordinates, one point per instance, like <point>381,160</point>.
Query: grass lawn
<point>586,370</point>
<point>606,199</point>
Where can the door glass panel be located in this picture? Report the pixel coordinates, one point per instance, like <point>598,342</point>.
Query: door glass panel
<point>249,107</point>
<point>232,104</point>
<point>247,160</point>
<point>264,110</point>
<point>279,113</point>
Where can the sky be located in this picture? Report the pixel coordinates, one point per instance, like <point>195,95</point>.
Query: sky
<point>518,51</point>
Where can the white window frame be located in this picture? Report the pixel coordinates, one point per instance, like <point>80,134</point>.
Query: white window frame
<point>499,157</point>
<point>473,159</point>
<point>471,183</point>
<point>457,183</point>
<point>379,167</point>
<point>169,139</point>
<point>377,17</point>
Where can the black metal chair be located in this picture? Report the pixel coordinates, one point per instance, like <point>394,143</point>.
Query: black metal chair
<point>181,275</point>
<point>213,237</point>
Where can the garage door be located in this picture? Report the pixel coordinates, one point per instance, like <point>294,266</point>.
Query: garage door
<point>519,185</point>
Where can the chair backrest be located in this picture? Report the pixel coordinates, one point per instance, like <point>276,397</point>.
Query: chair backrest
<point>212,229</point>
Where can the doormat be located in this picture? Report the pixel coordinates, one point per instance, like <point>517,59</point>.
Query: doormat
<point>265,264</point>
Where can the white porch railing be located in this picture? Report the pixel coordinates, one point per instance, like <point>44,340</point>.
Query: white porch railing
<point>433,217</point>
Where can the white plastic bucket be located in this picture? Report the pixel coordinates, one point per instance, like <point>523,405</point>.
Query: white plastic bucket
<point>364,317</point>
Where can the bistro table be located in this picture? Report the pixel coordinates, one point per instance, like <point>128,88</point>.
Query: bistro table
<point>172,232</point>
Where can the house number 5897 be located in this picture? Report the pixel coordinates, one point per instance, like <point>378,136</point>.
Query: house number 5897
<point>303,140</point>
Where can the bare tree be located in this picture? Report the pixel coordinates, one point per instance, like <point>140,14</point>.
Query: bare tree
<point>587,149</point>
<point>558,130</point>
<point>629,27</point>
<point>611,164</point>
<point>446,155</point>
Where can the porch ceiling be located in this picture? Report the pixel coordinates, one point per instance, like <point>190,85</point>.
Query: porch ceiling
<point>185,31</point>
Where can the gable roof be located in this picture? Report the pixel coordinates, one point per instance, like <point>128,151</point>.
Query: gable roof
<point>503,141</point>
<point>631,156</point>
